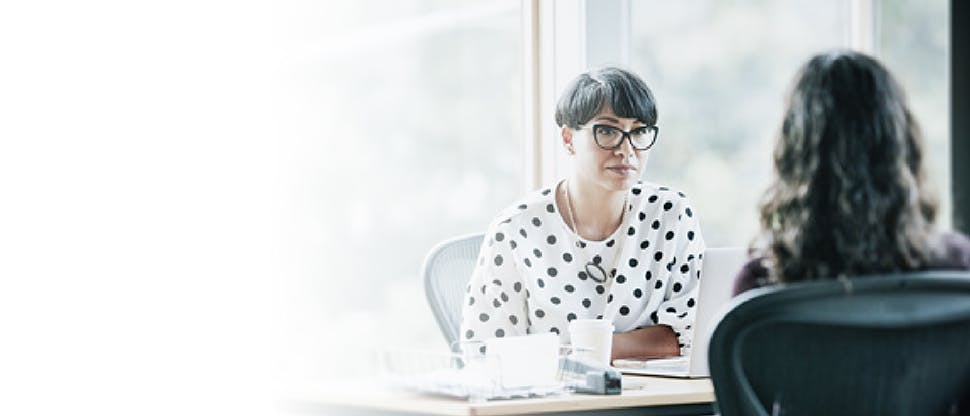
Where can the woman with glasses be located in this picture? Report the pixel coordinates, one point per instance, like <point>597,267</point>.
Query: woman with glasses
<point>599,244</point>
<point>850,196</point>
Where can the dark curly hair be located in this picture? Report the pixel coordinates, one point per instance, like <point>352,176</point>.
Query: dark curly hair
<point>849,195</point>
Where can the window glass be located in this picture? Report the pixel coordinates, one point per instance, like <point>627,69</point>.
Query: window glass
<point>407,122</point>
<point>720,71</point>
<point>913,41</point>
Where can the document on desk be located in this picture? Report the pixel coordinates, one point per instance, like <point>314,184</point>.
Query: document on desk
<point>675,366</point>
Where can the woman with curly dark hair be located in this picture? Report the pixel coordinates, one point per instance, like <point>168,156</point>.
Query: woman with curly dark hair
<point>850,196</point>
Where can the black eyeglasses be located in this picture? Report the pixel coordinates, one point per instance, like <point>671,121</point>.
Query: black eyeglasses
<point>608,137</point>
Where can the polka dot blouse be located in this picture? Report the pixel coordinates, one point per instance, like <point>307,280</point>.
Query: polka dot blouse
<point>532,273</point>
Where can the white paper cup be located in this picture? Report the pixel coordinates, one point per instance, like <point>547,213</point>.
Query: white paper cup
<point>592,339</point>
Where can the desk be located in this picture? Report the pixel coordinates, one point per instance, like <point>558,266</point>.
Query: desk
<point>648,395</point>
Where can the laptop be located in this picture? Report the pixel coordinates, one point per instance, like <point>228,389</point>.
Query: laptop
<point>719,268</point>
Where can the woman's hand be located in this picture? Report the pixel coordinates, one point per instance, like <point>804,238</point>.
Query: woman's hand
<point>650,342</point>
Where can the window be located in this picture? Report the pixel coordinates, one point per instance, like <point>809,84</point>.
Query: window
<point>720,71</point>
<point>411,133</point>
<point>914,42</point>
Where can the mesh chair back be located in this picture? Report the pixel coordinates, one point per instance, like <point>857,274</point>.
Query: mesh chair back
<point>880,345</point>
<point>447,270</point>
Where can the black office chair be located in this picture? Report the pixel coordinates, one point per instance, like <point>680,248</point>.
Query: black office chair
<point>880,345</point>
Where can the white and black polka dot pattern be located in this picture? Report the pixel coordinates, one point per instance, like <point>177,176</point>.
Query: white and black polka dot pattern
<point>531,276</point>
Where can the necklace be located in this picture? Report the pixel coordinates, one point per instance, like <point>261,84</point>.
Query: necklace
<point>593,268</point>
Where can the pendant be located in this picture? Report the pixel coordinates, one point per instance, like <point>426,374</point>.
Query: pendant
<point>595,272</point>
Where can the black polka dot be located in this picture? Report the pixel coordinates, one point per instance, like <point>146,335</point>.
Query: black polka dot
<point>481,350</point>
<point>469,334</point>
<point>655,225</point>
<point>690,235</point>
<point>582,275</point>
<point>653,198</point>
<point>636,191</point>
<point>537,253</point>
<point>523,206</point>
<point>483,317</point>
<point>496,303</point>
<point>689,212</point>
<point>637,293</point>
<point>498,260</point>
<point>523,233</point>
<point>540,313</point>
<point>499,236</point>
<point>677,287</point>
<point>554,330</point>
<point>642,216</point>
<point>624,310</point>
<point>546,191</point>
<point>690,303</point>
<point>550,208</point>
<point>600,289</point>
<point>582,244</point>
<point>555,300</point>
<point>497,282</point>
<point>552,272</point>
<point>513,319</point>
<point>517,287</point>
<point>597,259</point>
<point>527,262</point>
<point>668,205</point>
<point>653,317</point>
<point>540,283</point>
<point>610,243</point>
<point>644,244</point>
<point>536,222</point>
<point>499,333</point>
<point>609,298</point>
<point>512,244</point>
<point>648,275</point>
<point>660,284</point>
<point>551,239</point>
<point>634,262</point>
<point>569,288</point>
<point>671,310</point>
<point>658,255</point>
<point>621,279</point>
<point>631,231</point>
<point>587,303</point>
<point>570,317</point>
<point>684,268</point>
<point>613,273</point>
<point>669,235</point>
<point>505,298</point>
<point>567,257</point>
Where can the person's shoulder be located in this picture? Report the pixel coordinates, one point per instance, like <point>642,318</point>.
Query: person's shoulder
<point>953,251</point>
<point>535,204</point>
<point>649,193</point>
<point>753,274</point>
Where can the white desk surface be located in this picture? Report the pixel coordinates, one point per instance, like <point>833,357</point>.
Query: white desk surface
<point>638,391</point>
